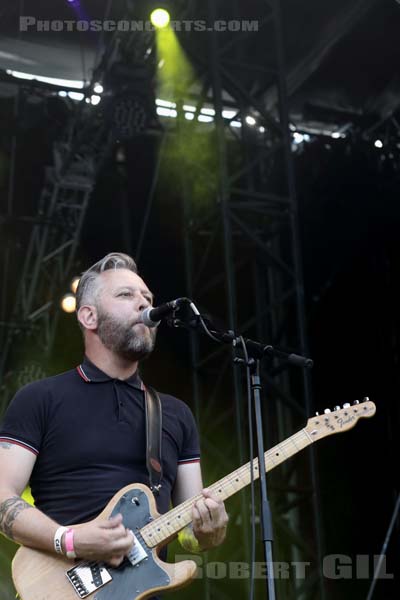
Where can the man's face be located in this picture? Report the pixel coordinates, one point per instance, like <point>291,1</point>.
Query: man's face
<point>122,296</point>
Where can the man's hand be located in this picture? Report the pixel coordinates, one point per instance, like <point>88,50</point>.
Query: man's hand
<point>106,540</point>
<point>209,521</point>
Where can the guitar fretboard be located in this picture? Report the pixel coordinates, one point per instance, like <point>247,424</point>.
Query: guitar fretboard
<point>167,526</point>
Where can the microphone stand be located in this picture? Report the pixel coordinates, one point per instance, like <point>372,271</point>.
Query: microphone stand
<point>267,535</point>
<point>254,352</point>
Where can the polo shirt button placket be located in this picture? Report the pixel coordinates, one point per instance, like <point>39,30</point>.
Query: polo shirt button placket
<point>116,384</point>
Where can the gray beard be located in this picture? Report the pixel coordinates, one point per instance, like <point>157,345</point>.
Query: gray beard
<point>121,339</point>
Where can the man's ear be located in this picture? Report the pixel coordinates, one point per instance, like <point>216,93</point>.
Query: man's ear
<point>87,317</point>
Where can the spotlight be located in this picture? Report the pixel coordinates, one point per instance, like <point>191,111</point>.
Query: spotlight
<point>68,303</point>
<point>74,284</point>
<point>160,18</point>
<point>250,120</point>
<point>378,144</point>
<point>298,138</point>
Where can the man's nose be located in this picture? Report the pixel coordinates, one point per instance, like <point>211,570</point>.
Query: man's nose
<point>143,303</point>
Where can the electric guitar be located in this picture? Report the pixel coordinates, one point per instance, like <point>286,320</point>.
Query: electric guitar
<point>40,575</point>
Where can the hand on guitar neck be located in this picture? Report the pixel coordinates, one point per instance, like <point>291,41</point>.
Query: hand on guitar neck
<point>209,521</point>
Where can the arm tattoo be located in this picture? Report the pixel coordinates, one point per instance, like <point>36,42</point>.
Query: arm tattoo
<point>9,511</point>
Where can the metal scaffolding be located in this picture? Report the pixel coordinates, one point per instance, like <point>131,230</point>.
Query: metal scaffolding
<point>48,262</point>
<point>243,256</point>
<point>243,259</point>
<point>90,134</point>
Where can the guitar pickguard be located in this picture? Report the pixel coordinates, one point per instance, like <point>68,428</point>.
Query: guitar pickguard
<point>139,572</point>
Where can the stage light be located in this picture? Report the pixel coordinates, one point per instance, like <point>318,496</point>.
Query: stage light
<point>98,88</point>
<point>165,103</point>
<point>160,18</point>
<point>208,111</point>
<point>70,83</point>
<point>205,118</point>
<point>298,138</point>
<point>68,303</point>
<point>95,100</point>
<point>74,284</point>
<point>229,114</point>
<point>76,96</point>
<point>378,144</point>
<point>250,120</point>
<point>166,112</point>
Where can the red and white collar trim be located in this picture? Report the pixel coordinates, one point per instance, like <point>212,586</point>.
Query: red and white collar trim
<point>83,374</point>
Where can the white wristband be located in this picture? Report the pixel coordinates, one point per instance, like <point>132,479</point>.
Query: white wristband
<point>57,539</point>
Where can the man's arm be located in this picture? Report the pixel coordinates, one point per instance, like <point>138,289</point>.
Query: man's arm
<point>209,515</point>
<point>21,522</point>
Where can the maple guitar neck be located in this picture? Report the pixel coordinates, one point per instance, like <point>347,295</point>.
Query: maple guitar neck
<point>39,575</point>
<point>167,526</point>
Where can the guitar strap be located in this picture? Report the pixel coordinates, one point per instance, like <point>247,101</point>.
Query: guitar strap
<point>153,438</point>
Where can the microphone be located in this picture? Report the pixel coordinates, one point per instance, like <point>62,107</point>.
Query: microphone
<point>152,316</point>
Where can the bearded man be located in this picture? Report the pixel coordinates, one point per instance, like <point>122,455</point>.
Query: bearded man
<point>80,436</point>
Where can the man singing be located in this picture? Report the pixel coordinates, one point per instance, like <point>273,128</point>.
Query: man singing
<point>80,436</point>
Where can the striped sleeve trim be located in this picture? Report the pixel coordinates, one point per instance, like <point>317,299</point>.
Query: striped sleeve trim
<point>11,440</point>
<point>187,461</point>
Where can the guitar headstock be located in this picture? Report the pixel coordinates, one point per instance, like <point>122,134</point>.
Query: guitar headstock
<point>339,419</point>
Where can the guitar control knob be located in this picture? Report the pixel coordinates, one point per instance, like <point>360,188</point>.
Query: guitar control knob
<point>317,414</point>
<point>356,402</point>
<point>366,399</point>
<point>346,405</point>
<point>337,408</point>
<point>327,411</point>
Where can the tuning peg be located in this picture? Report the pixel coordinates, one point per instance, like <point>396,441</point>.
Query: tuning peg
<point>356,402</point>
<point>337,408</point>
<point>327,411</point>
<point>317,414</point>
<point>346,405</point>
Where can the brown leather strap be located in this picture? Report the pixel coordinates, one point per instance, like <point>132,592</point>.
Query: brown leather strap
<point>153,438</point>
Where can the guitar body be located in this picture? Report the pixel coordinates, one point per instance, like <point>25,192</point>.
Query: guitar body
<point>43,576</point>
<point>40,575</point>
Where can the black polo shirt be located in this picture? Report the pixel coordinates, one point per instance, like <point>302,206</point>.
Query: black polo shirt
<point>88,432</point>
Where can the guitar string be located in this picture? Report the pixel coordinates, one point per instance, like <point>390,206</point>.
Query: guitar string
<point>154,529</point>
<point>243,471</point>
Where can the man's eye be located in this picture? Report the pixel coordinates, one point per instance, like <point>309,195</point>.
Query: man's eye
<point>125,294</point>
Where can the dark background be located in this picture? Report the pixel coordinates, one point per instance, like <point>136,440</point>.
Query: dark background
<point>348,193</point>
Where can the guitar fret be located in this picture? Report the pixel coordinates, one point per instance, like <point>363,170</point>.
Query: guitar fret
<point>169,525</point>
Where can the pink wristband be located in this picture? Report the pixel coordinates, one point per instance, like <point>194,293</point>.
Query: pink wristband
<point>69,544</point>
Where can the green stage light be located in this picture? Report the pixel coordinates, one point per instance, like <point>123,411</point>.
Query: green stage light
<point>160,18</point>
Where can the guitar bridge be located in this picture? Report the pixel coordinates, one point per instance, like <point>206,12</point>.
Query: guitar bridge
<point>87,577</point>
